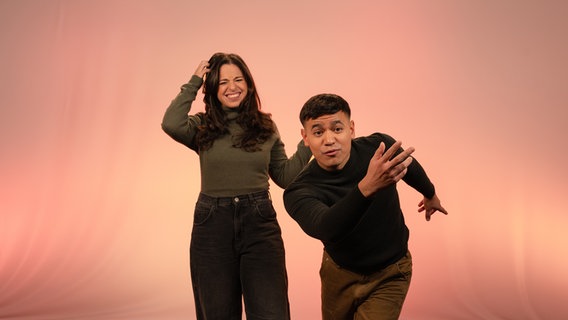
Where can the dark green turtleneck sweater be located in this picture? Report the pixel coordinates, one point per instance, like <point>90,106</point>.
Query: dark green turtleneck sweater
<point>225,170</point>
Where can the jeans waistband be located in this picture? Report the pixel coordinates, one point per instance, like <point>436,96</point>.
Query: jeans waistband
<point>243,198</point>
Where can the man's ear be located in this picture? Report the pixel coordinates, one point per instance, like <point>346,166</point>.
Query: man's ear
<point>305,137</point>
<point>352,127</point>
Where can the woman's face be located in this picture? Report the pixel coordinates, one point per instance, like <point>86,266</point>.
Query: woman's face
<point>232,86</point>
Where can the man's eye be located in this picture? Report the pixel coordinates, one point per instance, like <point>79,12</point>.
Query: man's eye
<point>317,133</point>
<point>338,129</point>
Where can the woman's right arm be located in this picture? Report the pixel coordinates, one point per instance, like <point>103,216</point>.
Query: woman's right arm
<point>176,122</point>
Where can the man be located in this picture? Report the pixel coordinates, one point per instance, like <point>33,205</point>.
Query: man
<point>347,198</point>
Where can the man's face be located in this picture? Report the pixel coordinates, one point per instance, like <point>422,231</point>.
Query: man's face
<point>329,139</point>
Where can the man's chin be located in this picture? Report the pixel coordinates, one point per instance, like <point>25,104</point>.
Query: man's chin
<point>329,165</point>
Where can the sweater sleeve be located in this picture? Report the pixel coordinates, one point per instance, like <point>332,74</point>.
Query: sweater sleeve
<point>417,178</point>
<point>176,122</point>
<point>318,220</point>
<point>282,169</point>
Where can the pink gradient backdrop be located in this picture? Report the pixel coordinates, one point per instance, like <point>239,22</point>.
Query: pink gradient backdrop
<point>96,201</point>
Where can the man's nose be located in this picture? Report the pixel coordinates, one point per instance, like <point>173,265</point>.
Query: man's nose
<point>328,137</point>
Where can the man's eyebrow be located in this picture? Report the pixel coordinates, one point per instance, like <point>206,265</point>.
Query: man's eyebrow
<point>333,123</point>
<point>336,122</point>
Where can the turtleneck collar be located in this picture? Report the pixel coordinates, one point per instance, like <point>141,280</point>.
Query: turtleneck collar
<point>232,113</point>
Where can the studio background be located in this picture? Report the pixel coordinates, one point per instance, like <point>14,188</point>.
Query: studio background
<point>96,202</point>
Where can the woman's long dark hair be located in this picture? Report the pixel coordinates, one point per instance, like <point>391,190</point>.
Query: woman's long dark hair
<point>257,125</point>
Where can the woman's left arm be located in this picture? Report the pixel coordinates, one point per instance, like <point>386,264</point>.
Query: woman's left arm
<point>282,169</point>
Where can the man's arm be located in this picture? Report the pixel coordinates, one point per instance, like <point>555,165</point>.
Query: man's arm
<point>330,223</point>
<point>417,178</point>
<point>317,219</point>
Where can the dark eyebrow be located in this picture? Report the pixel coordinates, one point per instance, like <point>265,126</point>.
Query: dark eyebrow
<point>333,124</point>
<point>234,78</point>
<point>336,122</point>
<point>317,125</point>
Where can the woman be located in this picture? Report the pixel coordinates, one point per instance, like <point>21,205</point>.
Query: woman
<point>236,250</point>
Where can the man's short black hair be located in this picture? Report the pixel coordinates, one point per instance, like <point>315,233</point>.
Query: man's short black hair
<point>323,104</point>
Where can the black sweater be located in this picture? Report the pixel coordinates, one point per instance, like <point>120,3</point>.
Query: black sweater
<point>360,234</point>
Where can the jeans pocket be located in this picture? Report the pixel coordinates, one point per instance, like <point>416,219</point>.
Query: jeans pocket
<point>202,213</point>
<point>265,209</point>
<point>404,266</point>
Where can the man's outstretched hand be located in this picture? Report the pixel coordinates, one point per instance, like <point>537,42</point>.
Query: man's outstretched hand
<point>430,206</point>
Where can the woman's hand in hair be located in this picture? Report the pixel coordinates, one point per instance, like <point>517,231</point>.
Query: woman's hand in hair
<point>202,68</point>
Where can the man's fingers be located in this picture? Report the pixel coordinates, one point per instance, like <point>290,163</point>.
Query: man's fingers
<point>400,175</point>
<point>380,150</point>
<point>391,151</point>
<point>396,168</point>
<point>401,169</point>
<point>407,161</point>
<point>388,154</point>
<point>403,156</point>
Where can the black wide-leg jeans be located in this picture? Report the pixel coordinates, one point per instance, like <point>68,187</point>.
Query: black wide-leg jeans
<point>237,254</point>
